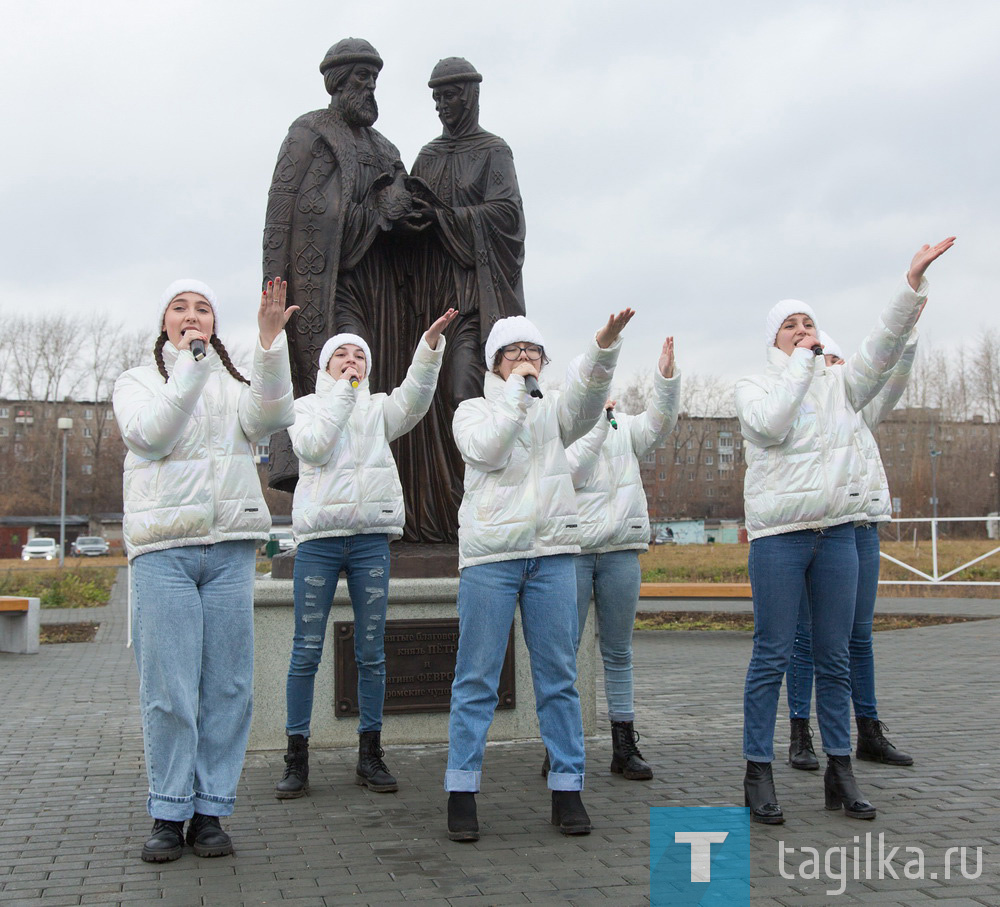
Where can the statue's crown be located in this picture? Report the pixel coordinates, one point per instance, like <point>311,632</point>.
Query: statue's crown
<point>453,69</point>
<point>350,50</point>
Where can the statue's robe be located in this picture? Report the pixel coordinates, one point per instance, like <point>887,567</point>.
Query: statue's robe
<point>471,260</point>
<point>325,234</point>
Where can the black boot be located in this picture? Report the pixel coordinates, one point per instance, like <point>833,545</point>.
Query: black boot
<point>873,746</point>
<point>165,843</point>
<point>842,790</point>
<point>800,750</point>
<point>546,765</point>
<point>295,782</point>
<point>462,822</point>
<point>625,756</point>
<point>372,772</point>
<point>759,795</point>
<point>206,836</point>
<point>568,813</point>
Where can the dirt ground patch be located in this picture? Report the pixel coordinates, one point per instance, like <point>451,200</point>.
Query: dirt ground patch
<point>75,632</point>
<point>724,620</point>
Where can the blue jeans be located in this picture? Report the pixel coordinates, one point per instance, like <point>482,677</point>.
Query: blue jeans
<point>826,561</point>
<point>614,579</point>
<point>798,680</point>
<point>318,563</point>
<point>192,630</point>
<point>487,597</point>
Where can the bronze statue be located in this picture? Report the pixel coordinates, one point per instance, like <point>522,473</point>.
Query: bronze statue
<point>470,257</point>
<point>336,195</point>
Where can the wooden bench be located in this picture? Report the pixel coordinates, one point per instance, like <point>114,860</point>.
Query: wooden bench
<point>695,590</point>
<point>19,624</point>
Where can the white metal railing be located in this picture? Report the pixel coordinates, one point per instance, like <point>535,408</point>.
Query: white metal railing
<point>936,578</point>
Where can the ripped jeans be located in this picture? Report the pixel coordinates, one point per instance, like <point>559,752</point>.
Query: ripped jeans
<point>318,562</point>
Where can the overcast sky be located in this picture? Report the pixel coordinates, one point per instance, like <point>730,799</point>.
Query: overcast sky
<point>697,161</point>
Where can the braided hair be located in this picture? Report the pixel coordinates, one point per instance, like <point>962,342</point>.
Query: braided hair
<point>217,345</point>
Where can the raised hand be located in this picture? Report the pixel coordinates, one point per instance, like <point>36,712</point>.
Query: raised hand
<point>616,324</point>
<point>272,316</point>
<point>434,332</point>
<point>923,258</point>
<point>666,361</point>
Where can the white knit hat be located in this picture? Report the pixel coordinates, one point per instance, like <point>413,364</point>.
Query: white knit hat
<point>511,330</point>
<point>779,312</point>
<point>190,285</point>
<point>830,346</point>
<point>339,340</point>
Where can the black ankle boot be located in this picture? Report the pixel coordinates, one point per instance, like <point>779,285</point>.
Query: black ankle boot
<point>568,813</point>
<point>165,843</point>
<point>625,756</point>
<point>546,765</point>
<point>873,746</point>
<point>800,749</point>
<point>462,822</point>
<point>206,836</point>
<point>842,790</point>
<point>295,782</point>
<point>372,772</point>
<point>759,795</point>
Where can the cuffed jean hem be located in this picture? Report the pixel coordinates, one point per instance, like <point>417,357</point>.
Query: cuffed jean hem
<point>837,752</point>
<point>209,805</point>
<point>173,809</point>
<point>747,757</point>
<point>621,716</point>
<point>565,781</point>
<point>859,713</point>
<point>455,780</point>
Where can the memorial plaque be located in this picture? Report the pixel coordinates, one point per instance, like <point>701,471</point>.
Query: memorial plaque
<point>419,667</point>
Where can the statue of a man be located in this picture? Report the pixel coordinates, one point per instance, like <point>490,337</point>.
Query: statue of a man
<point>336,193</point>
<point>470,258</point>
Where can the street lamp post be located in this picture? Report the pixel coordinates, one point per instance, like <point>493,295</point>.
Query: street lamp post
<point>64,425</point>
<point>934,455</point>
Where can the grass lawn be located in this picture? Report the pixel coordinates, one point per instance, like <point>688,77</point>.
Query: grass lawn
<point>728,564</point>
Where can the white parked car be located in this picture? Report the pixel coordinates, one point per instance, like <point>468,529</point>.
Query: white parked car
<point>39,547</point>
<point>90,546</point>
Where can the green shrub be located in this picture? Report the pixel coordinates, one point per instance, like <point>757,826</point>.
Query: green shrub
<point>81,587</point>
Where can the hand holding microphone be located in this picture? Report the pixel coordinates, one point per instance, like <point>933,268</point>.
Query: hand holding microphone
<point>609,413</point>
<point>529,372</point>
<point>197,345</point>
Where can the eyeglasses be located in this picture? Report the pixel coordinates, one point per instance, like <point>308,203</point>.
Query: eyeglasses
<point>513,352</point>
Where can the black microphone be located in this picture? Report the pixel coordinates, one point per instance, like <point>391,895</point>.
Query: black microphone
<point>531,386</point>
<point>817,349</point>
<point>610,413</point>
<point>197,348</point>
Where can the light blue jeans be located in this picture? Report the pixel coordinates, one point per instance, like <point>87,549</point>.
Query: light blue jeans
<point>192,631</point>
<point>318,563</point>
<point>799,679</point>
<point>614,579</point>
<point>488,594</point>
<point>826,561</point>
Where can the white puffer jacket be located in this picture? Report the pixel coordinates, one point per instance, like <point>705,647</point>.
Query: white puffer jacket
<point>348,481</point>
<point>519,500</point>
<point>879,499</point>
<point>805,469</point>
<point>604,465</point>
<point>190,475</point>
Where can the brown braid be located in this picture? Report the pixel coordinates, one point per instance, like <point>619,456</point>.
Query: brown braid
<point>226,361</point>
<point>216,344</point>
<point>158,354</point>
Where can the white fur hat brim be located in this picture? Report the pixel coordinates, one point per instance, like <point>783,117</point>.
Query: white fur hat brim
<point>780,311</point>
<point>339,340</point>
<point>830,346</point>
<point>514,329</point>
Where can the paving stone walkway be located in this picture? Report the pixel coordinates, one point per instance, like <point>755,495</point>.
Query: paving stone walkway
<point>72,790</point>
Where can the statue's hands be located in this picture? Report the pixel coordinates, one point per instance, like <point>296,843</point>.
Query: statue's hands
<point>392,200</point>
<point>272,316</point>
<point>434,332</point>
<point>616,324</point>
<point>922,260</point>
<point>425,209</point>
